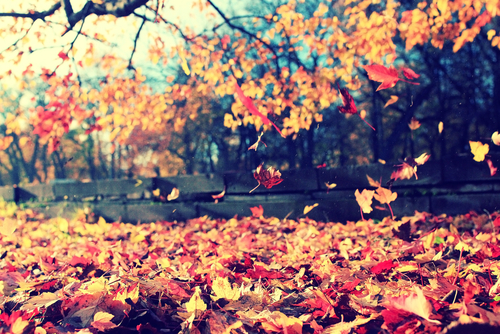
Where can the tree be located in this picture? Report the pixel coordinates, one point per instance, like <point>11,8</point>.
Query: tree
<point>287,57</point>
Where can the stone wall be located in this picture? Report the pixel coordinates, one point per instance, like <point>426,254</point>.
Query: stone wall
<point>452,187</point>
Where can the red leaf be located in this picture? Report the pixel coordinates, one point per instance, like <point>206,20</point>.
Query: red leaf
<point>247,102</point>
<point>493,169</point>
<point>257,211</point>
<point>267,177</point>
<point>225,41</point>
<point>349,106</point>
<point>387,76</point>
<point>63,55</point>
<point>383,266</point>
<point>409,73</point>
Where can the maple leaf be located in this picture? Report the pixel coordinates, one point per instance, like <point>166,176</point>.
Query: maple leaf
<point>387,76</point>
<point>495,138</point>
<point>247,102</point>
<point>364,200</point>
<point>102,321</point>
<point>349,107</point>
<point>45,299</point>
<point>479,150</point>
<point>415,303</point>
<point>196,305</point>
<point>409,167</point>
<point>257,211</point>
<point>385,196</point>
<point>267,177</point>
<point>414,124</point>
<point>222,289</point>
<point>383,266</point>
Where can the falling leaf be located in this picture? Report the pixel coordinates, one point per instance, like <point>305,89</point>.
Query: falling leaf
<point>330,185</point>
<point>422,159</point>
<point>385,196</point>
<point>220,195</point>
<point>392,100</point>
<point>415,303</point>
<point>495,137</point>
<point>102,321</point>
<point>414,124</point>
<point>440,127</point>
<point>225,41</point>
<point>308,208</point>
<point>268,178</point>
<point>173,194</point>
<point>247,102</point>
<point>256,144</point>
<point>372,182</point>
<point>409,73</point>
<point>257,211</point>
<point>138,183</point>
<point>387,76</point>
<point>479,150</point>
<point>493,169</point>
<point>349,107</point>
<point>156,192</point>
<point>364,199</point>
<point>383,162</point>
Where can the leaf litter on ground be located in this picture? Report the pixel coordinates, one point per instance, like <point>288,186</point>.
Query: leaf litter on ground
<point>256,274</point>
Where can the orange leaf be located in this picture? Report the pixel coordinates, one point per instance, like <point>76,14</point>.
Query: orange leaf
<point>495,137</point>
<point>385,196</point>
<point>365,199</point>
<point>372,182</point>
<point>440,127</point>
<point>257,211</point>
<point>392,100</point>
<point>414,124</point>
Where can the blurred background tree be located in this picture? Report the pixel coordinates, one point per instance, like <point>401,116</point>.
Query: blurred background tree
<point>145,88</point>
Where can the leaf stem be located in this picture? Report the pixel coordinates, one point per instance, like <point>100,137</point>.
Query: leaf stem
<point>458,269</point>
<point>367,122</point>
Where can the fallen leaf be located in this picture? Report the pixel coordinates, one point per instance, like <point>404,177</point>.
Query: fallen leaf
<point>102,321</point>
<point>414,303</point>
<point>223,289</point>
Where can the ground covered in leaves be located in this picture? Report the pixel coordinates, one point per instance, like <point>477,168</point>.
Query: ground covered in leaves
<point>419,274</point>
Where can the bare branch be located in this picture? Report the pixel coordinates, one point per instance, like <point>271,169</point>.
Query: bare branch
<point>135,44</point>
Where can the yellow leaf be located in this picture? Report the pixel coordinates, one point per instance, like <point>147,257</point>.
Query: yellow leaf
<point>491,33</point>
<point>308,208</point>
<point>408,267</point>
<point>196,305</point>
<point>102,321</point>
<point>495,137</point>
<point>330,185</point>
<point>222,289</point>
<point>385,196</point>
<point>392,100</point>
<point>479,150</point>
<point>364,199</point>
<point>440,127</point>
<point>138,183</point>
<point>173,194</point>
<point>8,226</point>
<point>156,192</point>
